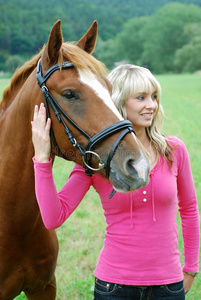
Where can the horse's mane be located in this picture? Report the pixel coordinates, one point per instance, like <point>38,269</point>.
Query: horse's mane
<point>76,55</point>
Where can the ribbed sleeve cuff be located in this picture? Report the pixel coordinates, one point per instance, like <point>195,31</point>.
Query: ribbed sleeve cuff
<point>44,168</point>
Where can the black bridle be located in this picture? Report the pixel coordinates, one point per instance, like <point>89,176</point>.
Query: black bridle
<point>92,141</point>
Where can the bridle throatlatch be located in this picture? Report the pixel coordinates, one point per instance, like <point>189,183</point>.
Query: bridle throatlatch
<point>87,152</point>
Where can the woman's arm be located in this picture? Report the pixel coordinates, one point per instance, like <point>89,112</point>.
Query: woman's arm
<point>56,207</point>
<point>189,215</point>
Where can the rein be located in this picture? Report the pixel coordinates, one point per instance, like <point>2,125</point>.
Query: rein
<point>92,141</point>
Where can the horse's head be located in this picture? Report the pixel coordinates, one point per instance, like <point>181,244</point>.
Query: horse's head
<point>79,97</point>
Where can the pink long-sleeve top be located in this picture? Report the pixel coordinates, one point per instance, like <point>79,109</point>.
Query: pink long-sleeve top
<point>141,240</point>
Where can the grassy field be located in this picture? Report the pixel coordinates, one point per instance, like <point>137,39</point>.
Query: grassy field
<point>82,235</point>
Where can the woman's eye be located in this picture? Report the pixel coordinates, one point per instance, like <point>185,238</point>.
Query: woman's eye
<point>154,97</point>
<point>70,95</point>
<point>140,97</point>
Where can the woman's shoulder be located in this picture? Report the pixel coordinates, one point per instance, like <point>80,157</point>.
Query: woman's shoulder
<point>179,149</point>
<point>174,141</point>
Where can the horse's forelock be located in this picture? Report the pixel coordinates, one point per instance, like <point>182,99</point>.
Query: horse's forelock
<point>82,60</point>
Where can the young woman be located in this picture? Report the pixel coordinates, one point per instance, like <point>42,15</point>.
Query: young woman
<point>140,257</point>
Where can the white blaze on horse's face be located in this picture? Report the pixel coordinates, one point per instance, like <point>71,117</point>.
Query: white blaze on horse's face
<point>90,80</point>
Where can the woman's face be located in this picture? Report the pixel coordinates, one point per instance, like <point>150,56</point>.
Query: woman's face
<point>141,109</point>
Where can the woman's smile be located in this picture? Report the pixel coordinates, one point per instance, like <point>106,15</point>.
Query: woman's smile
<point>147,116</point>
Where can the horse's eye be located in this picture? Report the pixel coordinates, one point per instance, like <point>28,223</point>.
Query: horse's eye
<point>70,95</point>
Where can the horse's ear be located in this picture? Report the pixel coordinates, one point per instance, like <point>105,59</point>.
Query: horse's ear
<point>88,41</point>
<point>54,43</point>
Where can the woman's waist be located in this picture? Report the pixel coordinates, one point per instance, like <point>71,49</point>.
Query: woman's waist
<point>141,237</point>
<point>139,263</point>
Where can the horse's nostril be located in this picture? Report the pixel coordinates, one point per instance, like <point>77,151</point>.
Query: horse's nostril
<point>130,162</point>
<point>130,167</point>
<point>137,170</point>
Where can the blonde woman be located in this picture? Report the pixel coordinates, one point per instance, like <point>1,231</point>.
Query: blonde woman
<point>140,257</point>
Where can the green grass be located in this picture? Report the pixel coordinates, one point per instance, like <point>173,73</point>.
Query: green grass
<point>81,236</point>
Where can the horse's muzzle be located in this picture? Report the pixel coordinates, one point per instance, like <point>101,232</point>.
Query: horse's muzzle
<point>134,174</point>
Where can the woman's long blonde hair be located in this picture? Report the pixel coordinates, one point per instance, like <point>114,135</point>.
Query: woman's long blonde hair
<point>128,80</point>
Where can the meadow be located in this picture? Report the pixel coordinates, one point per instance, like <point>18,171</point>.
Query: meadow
<point>81,236</point>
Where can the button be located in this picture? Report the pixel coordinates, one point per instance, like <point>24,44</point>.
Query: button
<point>144,200</point>
<point>144,192</point>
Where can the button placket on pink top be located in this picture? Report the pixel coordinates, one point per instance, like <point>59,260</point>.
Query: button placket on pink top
<point>144,199</point>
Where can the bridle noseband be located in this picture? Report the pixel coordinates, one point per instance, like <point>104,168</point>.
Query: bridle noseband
<point>92,141</point>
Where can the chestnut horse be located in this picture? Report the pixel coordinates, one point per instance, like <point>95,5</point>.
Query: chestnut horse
<point>75,80</point>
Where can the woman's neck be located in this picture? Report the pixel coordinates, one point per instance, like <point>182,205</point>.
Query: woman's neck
<point>142,136</point>
<point>149,147</point>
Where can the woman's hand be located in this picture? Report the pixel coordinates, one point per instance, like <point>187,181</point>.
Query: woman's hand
<point>188,282</point>
<point>41,134</point>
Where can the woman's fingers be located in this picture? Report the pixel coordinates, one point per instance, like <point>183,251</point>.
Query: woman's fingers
<point>48,125</point>
<point>39,117</point>
<point>35,113</point>
<point>42,115</point>
<point>41,133</point>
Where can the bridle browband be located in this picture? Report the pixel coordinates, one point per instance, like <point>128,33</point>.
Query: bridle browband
<point>92,141</point>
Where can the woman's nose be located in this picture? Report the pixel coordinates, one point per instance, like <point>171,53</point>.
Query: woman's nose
<point>151,103</point>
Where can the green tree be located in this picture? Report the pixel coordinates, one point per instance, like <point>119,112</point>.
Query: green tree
<point>129,42</point>
<point>188,58</point>
<point>105,52</point>
<point>13,62</point>
<point>24,26</point>
<point>165,33</point>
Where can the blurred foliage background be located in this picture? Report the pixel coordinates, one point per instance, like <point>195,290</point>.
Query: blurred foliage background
<point>164,36</point>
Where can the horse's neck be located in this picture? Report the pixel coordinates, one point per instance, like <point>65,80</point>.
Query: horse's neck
<point>15,128</point>
<point>16,151</point>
